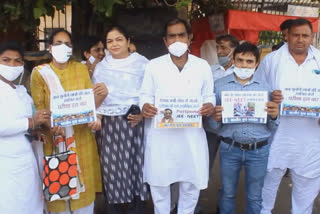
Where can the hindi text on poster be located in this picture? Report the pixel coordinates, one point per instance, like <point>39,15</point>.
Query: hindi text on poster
<point>72,108</point>
<point>244,106</point>
<point>303,102</point>
<point>178,112</point>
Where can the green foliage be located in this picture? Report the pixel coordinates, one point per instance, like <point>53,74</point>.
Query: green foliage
<point>16,13</point>
<point>104,8</point>
<point>183,3</point>
<point>201,8</point>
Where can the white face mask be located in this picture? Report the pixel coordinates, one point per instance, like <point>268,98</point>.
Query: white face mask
<point>178,48</point>
<point>11,72</point>
<point>243,73</point>
<point>61,53</point>
<point>92,59</point>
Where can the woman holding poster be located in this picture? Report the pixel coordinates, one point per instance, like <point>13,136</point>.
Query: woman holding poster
<point>60,75</point>
<point>20,186</point>
<point>121,146</point>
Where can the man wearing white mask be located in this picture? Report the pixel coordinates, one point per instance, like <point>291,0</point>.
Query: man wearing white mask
<point>176,155</point>
<point>243,144</point>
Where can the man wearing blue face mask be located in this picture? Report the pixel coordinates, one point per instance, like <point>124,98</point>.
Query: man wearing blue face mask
<point>177,155</point>
<point>243,144</point>
<point>225,47</point>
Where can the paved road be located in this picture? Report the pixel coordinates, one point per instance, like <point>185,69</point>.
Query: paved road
<point>209,200</point>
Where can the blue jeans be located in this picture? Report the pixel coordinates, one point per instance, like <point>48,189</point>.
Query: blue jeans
<point>255,163</point>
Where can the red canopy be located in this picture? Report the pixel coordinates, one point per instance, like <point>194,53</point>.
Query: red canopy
<point>247,20</point>
<point>245,25</point>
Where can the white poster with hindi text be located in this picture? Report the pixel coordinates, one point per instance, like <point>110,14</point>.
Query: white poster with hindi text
<point>302,102</point>
<point>72,108</point>
<point>178,112</point>
<point>244,106</point>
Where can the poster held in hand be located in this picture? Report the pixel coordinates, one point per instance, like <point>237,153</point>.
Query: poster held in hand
<point>72,108</point>
<point>244,106</point>
<point>178,112</point>
<point>302,102</point>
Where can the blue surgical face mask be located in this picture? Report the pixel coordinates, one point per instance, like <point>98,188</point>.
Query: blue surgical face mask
<point>224,60</point>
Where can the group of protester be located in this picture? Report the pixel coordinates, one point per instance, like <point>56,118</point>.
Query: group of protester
<point>135,157</point>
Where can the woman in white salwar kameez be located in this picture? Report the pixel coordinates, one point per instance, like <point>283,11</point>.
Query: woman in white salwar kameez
<point>20,183</point>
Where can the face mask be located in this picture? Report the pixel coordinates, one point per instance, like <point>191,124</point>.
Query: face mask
<point>92,59</point>
<point>243,73</point>
<point>224,60</point>
<point>10,72</point>
<point>61,53</point>
<point>178,48</point>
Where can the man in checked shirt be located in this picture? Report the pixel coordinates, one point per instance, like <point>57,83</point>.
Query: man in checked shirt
<point>243,144</point>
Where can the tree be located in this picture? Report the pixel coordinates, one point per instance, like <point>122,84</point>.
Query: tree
<point>18,16</point>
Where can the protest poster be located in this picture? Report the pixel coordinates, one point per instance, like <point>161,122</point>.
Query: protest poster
<point>302,102</point>
<point>178,112</point>
<point>244,106</point>
<point>72,108</point>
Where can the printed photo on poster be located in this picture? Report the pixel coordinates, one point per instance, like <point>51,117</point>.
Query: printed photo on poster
<point>178,112</point>
<point>244,106</point>
<point>72,108</point>
<point>301,102</point>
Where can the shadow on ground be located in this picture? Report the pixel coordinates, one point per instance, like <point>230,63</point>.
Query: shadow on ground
<point>209,201</point>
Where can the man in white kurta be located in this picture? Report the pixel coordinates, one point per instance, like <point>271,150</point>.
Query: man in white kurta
<point>176,155</point>
<point>296,143</point>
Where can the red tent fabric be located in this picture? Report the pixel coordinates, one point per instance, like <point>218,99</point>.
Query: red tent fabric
<point>245,25</point>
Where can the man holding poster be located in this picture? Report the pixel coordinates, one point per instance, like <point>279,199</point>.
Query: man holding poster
<point>177,151</point>
<point>243,100</point>
<point>294,70</point>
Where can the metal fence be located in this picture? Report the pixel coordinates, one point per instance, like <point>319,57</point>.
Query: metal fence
<point>278,7</point>
<point>48,24</point>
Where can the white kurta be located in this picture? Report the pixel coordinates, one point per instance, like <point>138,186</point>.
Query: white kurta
<point>296,143</point>
<point>20,186</point>
<point>176,155</point>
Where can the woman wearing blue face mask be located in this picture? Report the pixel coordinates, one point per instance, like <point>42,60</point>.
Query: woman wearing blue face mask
<point>20,185</point>
<point>69,75</point>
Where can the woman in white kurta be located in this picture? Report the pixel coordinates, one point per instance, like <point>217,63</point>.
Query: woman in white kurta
<point>121,145</point>
<point>20,183</point>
